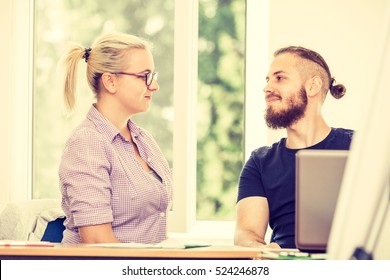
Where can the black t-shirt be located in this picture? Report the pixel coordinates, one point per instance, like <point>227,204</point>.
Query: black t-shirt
<point>270,173</point>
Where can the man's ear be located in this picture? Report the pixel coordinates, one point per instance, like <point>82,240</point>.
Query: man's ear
<point>109,82</point>
<point>313,86</point>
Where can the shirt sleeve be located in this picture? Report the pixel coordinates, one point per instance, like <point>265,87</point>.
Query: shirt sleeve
<point>85,181</point>
<point>250,182</point>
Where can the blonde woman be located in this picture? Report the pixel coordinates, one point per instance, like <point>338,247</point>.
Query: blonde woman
<point>115,182</point>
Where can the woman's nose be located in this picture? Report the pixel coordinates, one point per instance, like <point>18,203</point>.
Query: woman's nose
<point>154,86</point>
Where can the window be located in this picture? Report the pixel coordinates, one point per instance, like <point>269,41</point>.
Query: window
<point>220,107</point>
<point>180,30</point>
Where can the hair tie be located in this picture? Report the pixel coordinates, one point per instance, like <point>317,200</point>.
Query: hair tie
<point>87,53</point>
<point>332,80</point>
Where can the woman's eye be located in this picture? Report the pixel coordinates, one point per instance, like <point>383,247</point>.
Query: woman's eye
<point>142,77</point>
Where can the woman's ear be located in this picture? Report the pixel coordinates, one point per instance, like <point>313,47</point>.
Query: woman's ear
<point>109,82</point>
<point>313,86</point>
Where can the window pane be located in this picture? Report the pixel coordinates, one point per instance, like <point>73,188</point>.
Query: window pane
<point>60,22</point>
<point>220,106</point>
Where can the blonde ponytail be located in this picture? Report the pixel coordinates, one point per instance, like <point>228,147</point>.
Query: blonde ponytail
<point>70,64</point>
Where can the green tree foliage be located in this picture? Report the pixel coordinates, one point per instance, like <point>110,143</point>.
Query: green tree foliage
<point>220,106</point>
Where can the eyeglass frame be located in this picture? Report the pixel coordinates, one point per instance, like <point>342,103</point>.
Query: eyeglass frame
<point>145,76</point>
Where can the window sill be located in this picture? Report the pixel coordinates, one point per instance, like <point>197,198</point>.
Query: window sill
<point>213,232</point>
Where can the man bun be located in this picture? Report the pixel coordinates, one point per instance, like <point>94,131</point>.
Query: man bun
<point>338,90</point>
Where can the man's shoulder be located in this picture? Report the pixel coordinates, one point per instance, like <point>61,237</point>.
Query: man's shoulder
<point>343,132</point>
<point>266,151</point>
<point>340,138</point>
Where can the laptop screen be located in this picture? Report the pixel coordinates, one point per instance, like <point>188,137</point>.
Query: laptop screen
<point>319,176</point>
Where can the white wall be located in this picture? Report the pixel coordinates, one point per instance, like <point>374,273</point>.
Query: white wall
<point>345,33</point>
<point>6,99</point>
<point>348,34</point>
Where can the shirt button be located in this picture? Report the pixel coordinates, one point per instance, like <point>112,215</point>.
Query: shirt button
<point>149,159</point>
<point>162,214</point>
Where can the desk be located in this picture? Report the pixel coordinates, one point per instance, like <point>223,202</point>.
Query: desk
<point>78,251</point>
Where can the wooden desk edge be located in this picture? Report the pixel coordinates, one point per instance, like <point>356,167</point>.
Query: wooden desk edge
<point>82,251</point>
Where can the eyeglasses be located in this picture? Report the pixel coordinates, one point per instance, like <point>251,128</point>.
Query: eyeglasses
<point>149,76</point>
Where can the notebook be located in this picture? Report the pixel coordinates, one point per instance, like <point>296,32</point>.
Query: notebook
<point>319,176</point>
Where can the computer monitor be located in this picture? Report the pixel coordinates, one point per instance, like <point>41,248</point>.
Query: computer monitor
<point>318,179</point>
<point>362,214</point>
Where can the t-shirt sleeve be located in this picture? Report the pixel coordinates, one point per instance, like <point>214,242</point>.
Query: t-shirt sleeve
<point>250,182</point>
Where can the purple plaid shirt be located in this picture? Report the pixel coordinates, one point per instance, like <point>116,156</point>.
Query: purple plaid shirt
<point>103,182</point>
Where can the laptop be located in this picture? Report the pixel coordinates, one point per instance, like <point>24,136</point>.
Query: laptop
<point>319,176</point>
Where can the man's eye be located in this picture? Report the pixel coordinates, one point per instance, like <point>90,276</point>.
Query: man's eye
<point>278,78</point>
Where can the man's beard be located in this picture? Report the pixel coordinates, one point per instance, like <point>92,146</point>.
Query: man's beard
<point>293,113</point>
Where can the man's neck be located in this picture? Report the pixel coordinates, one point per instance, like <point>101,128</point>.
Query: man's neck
<point>306,133</point>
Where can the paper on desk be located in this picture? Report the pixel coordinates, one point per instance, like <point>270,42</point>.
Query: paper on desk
<point>25,243</point>
<point>166,244</point>
<point>290,254</point>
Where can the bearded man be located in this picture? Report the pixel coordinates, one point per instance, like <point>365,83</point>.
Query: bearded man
<point>297,84</point>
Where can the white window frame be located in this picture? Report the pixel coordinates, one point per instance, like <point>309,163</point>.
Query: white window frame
<point>256,67</point>
<point>184,136</point>
<point>185,83</point>
<point>183,217</point>
<point>18,31</point>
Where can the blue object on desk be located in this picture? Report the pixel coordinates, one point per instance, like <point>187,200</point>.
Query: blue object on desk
<point>54,230</point>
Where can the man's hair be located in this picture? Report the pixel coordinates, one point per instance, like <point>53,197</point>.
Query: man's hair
<point>337,90</point>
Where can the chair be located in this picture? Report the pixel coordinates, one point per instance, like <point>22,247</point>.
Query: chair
<point>54,230</point>
<point>32,220</point>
